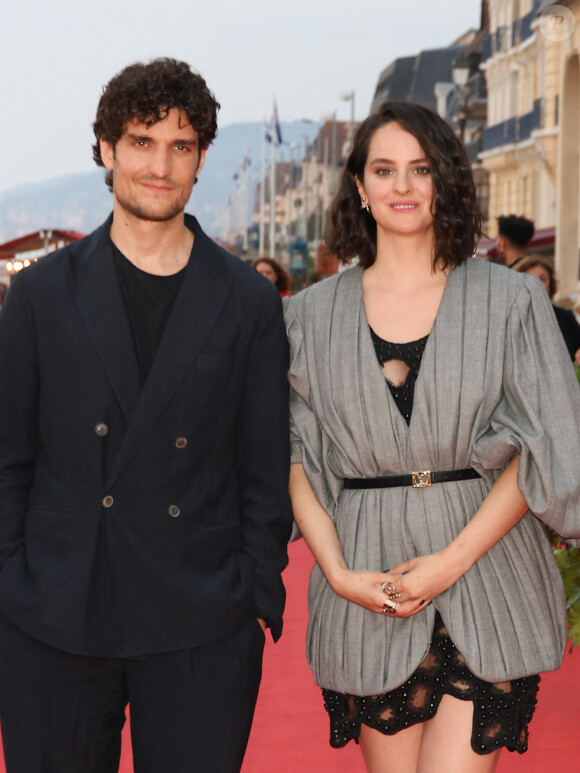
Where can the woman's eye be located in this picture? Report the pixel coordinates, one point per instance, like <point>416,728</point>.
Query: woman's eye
<point>422,170</point>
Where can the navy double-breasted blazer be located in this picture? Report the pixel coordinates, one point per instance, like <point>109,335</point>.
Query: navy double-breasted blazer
<point>141,518</point>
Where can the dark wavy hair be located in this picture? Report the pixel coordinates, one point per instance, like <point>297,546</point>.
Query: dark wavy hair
<point>148,92</point>
<point>351,231</point>
<point>282,279</point>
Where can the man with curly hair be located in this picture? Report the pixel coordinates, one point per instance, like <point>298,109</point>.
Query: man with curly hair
<point>143,466</point>
<point>514,234</point>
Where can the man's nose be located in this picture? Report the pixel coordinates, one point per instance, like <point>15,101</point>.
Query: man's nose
<point>160,162</point>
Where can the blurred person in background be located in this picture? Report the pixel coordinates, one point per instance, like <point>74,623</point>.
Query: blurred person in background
<point>514,235</point>
<point>273,271</point>
<point>546,273</point>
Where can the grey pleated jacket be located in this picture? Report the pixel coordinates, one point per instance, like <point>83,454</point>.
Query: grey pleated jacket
<point>495,380</point>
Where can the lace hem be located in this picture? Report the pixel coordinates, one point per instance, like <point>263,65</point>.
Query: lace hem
<point>501,712</point>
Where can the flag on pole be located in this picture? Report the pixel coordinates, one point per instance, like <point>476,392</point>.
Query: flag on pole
<point>267,135</point>
<point>276,130</point>
<point>243,165</point>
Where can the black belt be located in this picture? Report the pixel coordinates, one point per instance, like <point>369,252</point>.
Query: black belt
<point>419,479</point>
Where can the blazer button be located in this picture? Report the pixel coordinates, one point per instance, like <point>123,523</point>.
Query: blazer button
<point>181,442</point>
<point>108,501</point>
<point>174,511</point>
<point>102,430</point>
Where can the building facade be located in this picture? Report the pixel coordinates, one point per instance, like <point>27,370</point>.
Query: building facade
<point>531,142</point>
<point>568,214</point>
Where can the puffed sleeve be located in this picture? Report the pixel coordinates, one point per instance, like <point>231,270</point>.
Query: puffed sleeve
<point>538,415</point>
<point>309,444</point>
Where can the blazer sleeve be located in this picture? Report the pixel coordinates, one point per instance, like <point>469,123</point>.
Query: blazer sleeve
<point>19,414</point>
<point>263,460</point>
<point>309,444</point>
<point>538,414</point>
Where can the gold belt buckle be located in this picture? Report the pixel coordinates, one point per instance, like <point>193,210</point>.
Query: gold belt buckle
<point>421,479</point>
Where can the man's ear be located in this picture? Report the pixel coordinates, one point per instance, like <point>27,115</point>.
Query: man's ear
<point>107,154</point>
<point>201,162</point>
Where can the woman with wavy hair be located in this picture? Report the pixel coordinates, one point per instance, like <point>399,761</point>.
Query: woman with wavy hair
<point>427,451</point>
<point>272,270</point>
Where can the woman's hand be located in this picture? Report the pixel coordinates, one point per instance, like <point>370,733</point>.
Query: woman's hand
<point>407,588</point>
<point>418,581</point>
<point>364,588</point>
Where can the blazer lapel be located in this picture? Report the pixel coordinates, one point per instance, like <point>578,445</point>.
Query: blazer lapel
<point>101,305</point>
<point>197,308</point>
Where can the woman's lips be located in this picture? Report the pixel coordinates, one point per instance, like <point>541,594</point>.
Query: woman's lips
<point>404,205</point>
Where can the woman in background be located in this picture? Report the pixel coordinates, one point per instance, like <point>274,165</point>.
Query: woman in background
<point>426,447</point>
<point>273,271</point>
<point>567,323</point>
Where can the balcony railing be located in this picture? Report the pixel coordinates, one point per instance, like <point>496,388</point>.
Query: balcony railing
<point>514,129</point>
<point>525,30</point>
<point>504,38</point>
<point>528,122</point>
<point>502,133</point>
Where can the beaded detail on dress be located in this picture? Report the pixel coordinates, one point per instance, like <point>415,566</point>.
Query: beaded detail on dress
<point>501,712</point>
<point>411,354</point>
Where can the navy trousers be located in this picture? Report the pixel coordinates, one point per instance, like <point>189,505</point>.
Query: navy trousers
<point>190,710</point>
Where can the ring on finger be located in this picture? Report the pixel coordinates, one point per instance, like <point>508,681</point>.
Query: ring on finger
<point>394,596</point>
<point>389,608</point>
<point>388,587</point>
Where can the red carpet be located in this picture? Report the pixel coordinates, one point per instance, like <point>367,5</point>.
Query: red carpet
<point>290,730</point>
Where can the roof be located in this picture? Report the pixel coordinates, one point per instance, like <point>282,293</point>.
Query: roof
<point>413,78</point>
<point>47,239</point>
<point>432,67</point>
<point>395,80</point>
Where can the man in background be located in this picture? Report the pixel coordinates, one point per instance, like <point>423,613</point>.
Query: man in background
<point>514,235</point>
<point>143,466</point>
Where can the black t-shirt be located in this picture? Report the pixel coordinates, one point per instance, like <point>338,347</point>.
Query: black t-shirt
<point>148,299</point>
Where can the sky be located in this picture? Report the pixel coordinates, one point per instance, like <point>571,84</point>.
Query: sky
<point>56,56</point>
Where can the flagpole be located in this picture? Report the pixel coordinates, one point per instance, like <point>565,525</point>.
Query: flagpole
<point>262,190</point>
<point>273,183</point>
<point>273,200</point>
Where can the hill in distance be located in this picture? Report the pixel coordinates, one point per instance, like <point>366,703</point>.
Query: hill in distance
<point>80,202</point>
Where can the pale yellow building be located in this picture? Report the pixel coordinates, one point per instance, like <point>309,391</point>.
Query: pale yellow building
<point>568,219</point>
<point>521,139</point>
<point>531,144</point>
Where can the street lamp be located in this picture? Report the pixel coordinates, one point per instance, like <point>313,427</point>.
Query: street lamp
<point>349,97</point>
<point>460,72</point>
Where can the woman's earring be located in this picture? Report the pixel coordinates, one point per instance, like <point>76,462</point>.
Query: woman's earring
<point>364,204</point>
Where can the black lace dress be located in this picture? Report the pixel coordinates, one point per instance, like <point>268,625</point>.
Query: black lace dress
<point>501,712</point>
